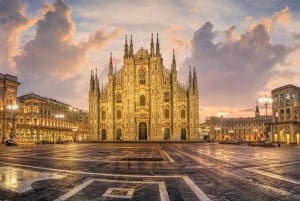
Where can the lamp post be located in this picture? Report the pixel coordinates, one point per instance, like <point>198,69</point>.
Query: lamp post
<point>266,100</point>
<point>221,115</point>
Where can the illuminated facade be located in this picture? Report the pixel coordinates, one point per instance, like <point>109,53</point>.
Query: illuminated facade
<point>248,129</point>
<point>8,105</point>
<point>286,110</point>
<point>143,100</point>
<point>45,120</point>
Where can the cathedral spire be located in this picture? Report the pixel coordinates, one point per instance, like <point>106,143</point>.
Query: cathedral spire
<point>173,63</point>
<point>96,82</point>
<point>152,46</point>
<point>190,79</point>
<point>110,70</point>
<point>195,83</point>
<point>126,48</point>
<point>131,47</point>
<point>257,113</point>
<point>157,46</point>
<point>92,81</point>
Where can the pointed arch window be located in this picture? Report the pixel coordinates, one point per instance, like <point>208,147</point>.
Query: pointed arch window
<point>142,100</point>
<point>119,114</point>
<point>119,98</point>
<point>182,114</point>
<point>142,75</point>
<point>167,97</point>
<point>167,114</point>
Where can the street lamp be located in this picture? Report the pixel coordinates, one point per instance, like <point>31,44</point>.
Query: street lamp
<point>266,100</point>
<point>221,115</point>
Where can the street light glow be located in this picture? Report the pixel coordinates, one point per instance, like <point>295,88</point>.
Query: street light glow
<point>59,116</point>
<point>12,107</point>
<point>265,100</point>
<point>221,114</point>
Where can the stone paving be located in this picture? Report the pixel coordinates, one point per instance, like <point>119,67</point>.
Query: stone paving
<point>149,172</point>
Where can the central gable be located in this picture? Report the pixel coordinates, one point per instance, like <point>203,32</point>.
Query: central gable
<point>141,56</point>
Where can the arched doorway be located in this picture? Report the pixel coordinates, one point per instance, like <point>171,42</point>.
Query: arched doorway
<point>167,134</point>
<point>118,134</point>
<point>183,134</point>
<point>103,134</point>
<point>142,131</point>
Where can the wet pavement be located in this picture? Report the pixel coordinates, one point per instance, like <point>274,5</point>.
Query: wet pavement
<point>149,172</point>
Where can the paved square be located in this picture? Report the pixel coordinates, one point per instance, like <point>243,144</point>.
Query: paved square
<point>149,171</point>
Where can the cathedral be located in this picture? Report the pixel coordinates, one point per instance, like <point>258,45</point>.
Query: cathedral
<point>143,100</point>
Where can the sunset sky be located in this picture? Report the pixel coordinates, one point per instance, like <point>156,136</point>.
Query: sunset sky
<point>241,49</point>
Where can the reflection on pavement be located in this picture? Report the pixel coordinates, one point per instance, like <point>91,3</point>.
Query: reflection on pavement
<point>20,180</point>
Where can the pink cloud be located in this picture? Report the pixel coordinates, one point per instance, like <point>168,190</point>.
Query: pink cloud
<point>282,17</point>
<point>13,23</point>
<point>53,52</point>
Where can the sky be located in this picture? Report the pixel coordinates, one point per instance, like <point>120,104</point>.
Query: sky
<point>241,49</point>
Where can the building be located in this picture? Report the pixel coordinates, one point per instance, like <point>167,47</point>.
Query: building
<point>8,105</point>
<point>249,129</point>
<point>143,100</point>
<point>286,110</point>
<point>46,120</point>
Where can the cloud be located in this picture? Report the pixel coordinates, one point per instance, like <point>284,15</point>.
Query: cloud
<point>53,52</point>
<point>173,36</point>
<point>282,17</point>
<point>230,73</point>
<point>13,22</point>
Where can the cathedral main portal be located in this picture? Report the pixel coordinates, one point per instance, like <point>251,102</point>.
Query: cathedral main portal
<point>142,131</point>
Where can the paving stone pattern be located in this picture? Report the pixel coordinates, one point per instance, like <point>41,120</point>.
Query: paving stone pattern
<point>149,172</point>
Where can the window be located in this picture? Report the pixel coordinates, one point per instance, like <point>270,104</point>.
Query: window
<point>287,99</point>
<point>119,98</point>
<point>276,100</point>
<point>142,75</point>
<point>103,115</point>
<point>294,101</point>
<point>281,114</point>
<point>166,96</point>
<point>182,114</point>
<point>142,100</point>
<point>167,114</point>
<point>119,114</point>
<point>281,100</point>
<point>288,114</point>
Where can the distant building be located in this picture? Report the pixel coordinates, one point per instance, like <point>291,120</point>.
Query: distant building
<point>45,120</point>
<point>249,129</point>
<point>144,100</point>
<point>286,114</point>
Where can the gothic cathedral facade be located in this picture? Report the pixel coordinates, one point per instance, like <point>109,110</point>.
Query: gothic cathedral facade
<point>143,100</point>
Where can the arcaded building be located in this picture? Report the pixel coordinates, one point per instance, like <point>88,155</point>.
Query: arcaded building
<point>46,120</point>
<point>143,100</point>
<point>286,110</point>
